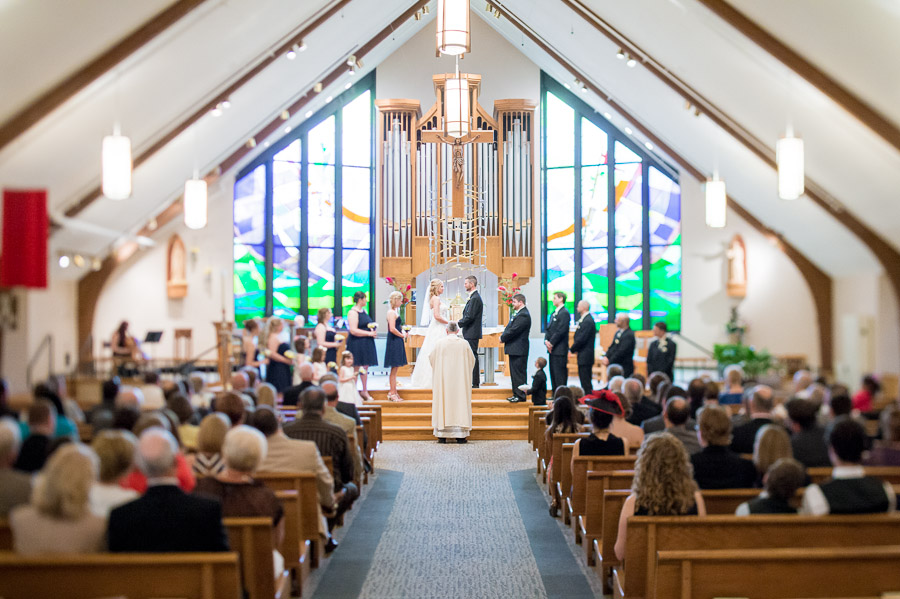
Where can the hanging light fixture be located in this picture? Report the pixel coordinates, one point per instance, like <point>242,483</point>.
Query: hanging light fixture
<point>716,201</point>
<point>116,161</point>
<point>195,203</point>
<point>789,156</point>
<point>453,35</point>
<point>456,106</point>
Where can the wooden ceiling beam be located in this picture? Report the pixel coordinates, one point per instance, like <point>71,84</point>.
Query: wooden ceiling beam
<point>818,281</point>
<point>250,71</point>
<point>866,114</point>
<point>26,118</point>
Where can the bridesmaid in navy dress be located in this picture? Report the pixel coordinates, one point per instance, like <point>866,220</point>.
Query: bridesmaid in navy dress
<point>278,367</point>
<point>394,350</point>
<point>324,334</point>
<point>361,342</point>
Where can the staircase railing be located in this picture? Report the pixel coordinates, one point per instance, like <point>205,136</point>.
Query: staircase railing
<point>46,345</point>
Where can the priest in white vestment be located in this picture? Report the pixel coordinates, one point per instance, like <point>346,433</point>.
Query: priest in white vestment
<point>452,362</point>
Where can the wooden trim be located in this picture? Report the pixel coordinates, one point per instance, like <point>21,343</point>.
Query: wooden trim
<point>818,281</point>
<point>269,56</point>
<point>60,93</point>
<point>846,99</point>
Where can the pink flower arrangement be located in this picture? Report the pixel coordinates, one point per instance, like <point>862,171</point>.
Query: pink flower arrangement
<point>405,291</point>
<point>508,288</point>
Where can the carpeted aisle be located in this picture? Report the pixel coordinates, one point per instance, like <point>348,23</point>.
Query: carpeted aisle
<point>453,521</point>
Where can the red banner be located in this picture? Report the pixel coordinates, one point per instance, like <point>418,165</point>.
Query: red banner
<point>23,255</point>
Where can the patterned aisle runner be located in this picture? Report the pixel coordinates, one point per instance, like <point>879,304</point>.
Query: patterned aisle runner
<point>455,529</point>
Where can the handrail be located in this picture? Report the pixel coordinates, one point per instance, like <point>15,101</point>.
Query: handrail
<point>696,345</point>
<point>46,342</point>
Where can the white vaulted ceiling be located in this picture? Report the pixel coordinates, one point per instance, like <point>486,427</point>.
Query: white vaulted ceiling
<point>195,59</point>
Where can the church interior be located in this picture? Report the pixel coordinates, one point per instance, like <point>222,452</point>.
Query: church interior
<point>240,301</point>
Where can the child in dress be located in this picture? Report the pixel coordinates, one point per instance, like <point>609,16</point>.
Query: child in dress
<point>301,347</point>
<point>347,391</point>
<point>318,364</point>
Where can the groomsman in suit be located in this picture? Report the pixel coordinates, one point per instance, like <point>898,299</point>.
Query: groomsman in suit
<point>470,323</point>
<point>661,355</point>
<point>515,341</point>
<point>556,339</point>
<point>621,350</point>
<point>583,345</point>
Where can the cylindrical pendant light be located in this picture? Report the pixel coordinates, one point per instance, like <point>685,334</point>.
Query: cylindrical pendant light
<point>789,156</point>
<point>716,201</point>
<point>456,107</point>
<point>453,35</point>
<point>116,162</point>
<point>195,201</point>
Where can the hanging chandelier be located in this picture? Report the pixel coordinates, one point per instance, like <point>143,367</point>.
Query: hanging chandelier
<point>453,35</point>
<point>789,157</point>
<point>716,202</point>
<point>456,106</point>
<point>116,165</point>
<point>195,203</point>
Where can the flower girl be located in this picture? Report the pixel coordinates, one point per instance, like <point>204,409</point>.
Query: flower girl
<point>347,390</point>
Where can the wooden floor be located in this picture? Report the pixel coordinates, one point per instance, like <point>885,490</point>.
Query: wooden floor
<point>493,417</point>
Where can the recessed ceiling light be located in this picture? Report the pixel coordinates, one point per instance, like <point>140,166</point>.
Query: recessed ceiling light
<point>309,113</point>
<point>648,145</point>
<point>328,99</point>
<point>607,116</point>
<point>628,131</point>
<point>287,129</point>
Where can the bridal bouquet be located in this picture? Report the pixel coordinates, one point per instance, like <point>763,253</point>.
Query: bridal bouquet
<point>508,288</point>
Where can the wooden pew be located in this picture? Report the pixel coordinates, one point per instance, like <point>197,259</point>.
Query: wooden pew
<point>379,430</point>
<point>135,575</point>
<point>536,415</point>
<point>556,470</point>
<point>648,535</point>
<point>890,474</point>
<point>253,539</point>
<point>371,427</point>
<point>361,444</point>
<point>776,573</point>
<point>5,535</point>
<point>602,548</point>
<point>580,467</point>
<point>299,553</point>
<point>307,509</point>
<point>588,525</point>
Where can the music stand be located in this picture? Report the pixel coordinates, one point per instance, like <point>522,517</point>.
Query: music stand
<point>153,337</point>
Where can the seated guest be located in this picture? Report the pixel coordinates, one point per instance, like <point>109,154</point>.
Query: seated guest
<point>642,407</point>
<point>232,405</point>
<point>186,427</point>
<point>15,487</point>
<point>808,438</point>
<point>125,418</point>
<point>676,418</point>
<point>154,398</point>
<point>240,381</point>
<point>733,393</point>
<point>166,518</point>
<point>130,397</point>
<point>208,459</point>
<point>331,441</point>
<point>604,404</point>
<point>136,479</point>
<point>565,394</point>
<point>772,444</point>
<point>863,399</point>
<point>266,395</point>
<point>101,416</point>
<point>780,482</point>
<point>200,397</point>
<point>616,383</point>
<point>235,489</point>
<point>562,418</point>
<point>663,485</point>
<point>849,490</point>
<point>65,426</point>
<point>614,370</point>
<point>577,394</point>
<point>58,519</point>
<point>696,393</point>
<point>294,455</point>
<point>632,435</point>
<point>887,452</point>
<point>347,424</point>
<point>664,393</point>
<point>5,412</point>
<point>716,466</point>
<point>292,394</point>
<point>344,407</point>
<point>655,382</point>
<point>761,403</point>
<point>115,450</point>
<point>36,447</point>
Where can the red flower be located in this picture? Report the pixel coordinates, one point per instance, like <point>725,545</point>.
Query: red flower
<point>501,288</point>
<point>408,287</point>
<point>514,275</point>
<point>389,280</point>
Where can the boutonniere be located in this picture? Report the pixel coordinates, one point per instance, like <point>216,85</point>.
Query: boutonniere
<point>662,345</point>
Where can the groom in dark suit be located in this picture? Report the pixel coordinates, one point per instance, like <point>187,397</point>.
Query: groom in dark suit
<point>470,323</point>
<point>556,339</point>
<point>583,345</point>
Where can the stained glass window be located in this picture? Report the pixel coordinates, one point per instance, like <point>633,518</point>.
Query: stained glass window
<point>318,206</point>
<point>592,174</point>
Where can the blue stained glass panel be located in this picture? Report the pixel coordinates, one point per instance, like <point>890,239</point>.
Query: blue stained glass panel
<point>629,211</point>
<point>665,209</point>
<point>561,195</point>
<point>594,206</point>
<point>249,207</point>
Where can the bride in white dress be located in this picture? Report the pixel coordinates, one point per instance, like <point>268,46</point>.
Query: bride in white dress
<point>436,319</point>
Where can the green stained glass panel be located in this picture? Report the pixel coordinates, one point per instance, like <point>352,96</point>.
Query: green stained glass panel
<point>286,282</point>
<point>630,285</point>
<point>665,285</point>
<point>595,282</point>
<point>320,284</point>
<point>560,277</point>
<point>249,282</point>
<point>356,276</point>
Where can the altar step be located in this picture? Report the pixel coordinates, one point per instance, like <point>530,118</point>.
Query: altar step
<point>493,418</point>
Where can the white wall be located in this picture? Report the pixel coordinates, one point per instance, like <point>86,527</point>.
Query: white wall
<point>778,309</point>
<point>136,291</point>
<point>505,73</point>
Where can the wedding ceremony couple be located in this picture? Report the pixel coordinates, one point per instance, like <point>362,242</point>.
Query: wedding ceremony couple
<point>445,360</point>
